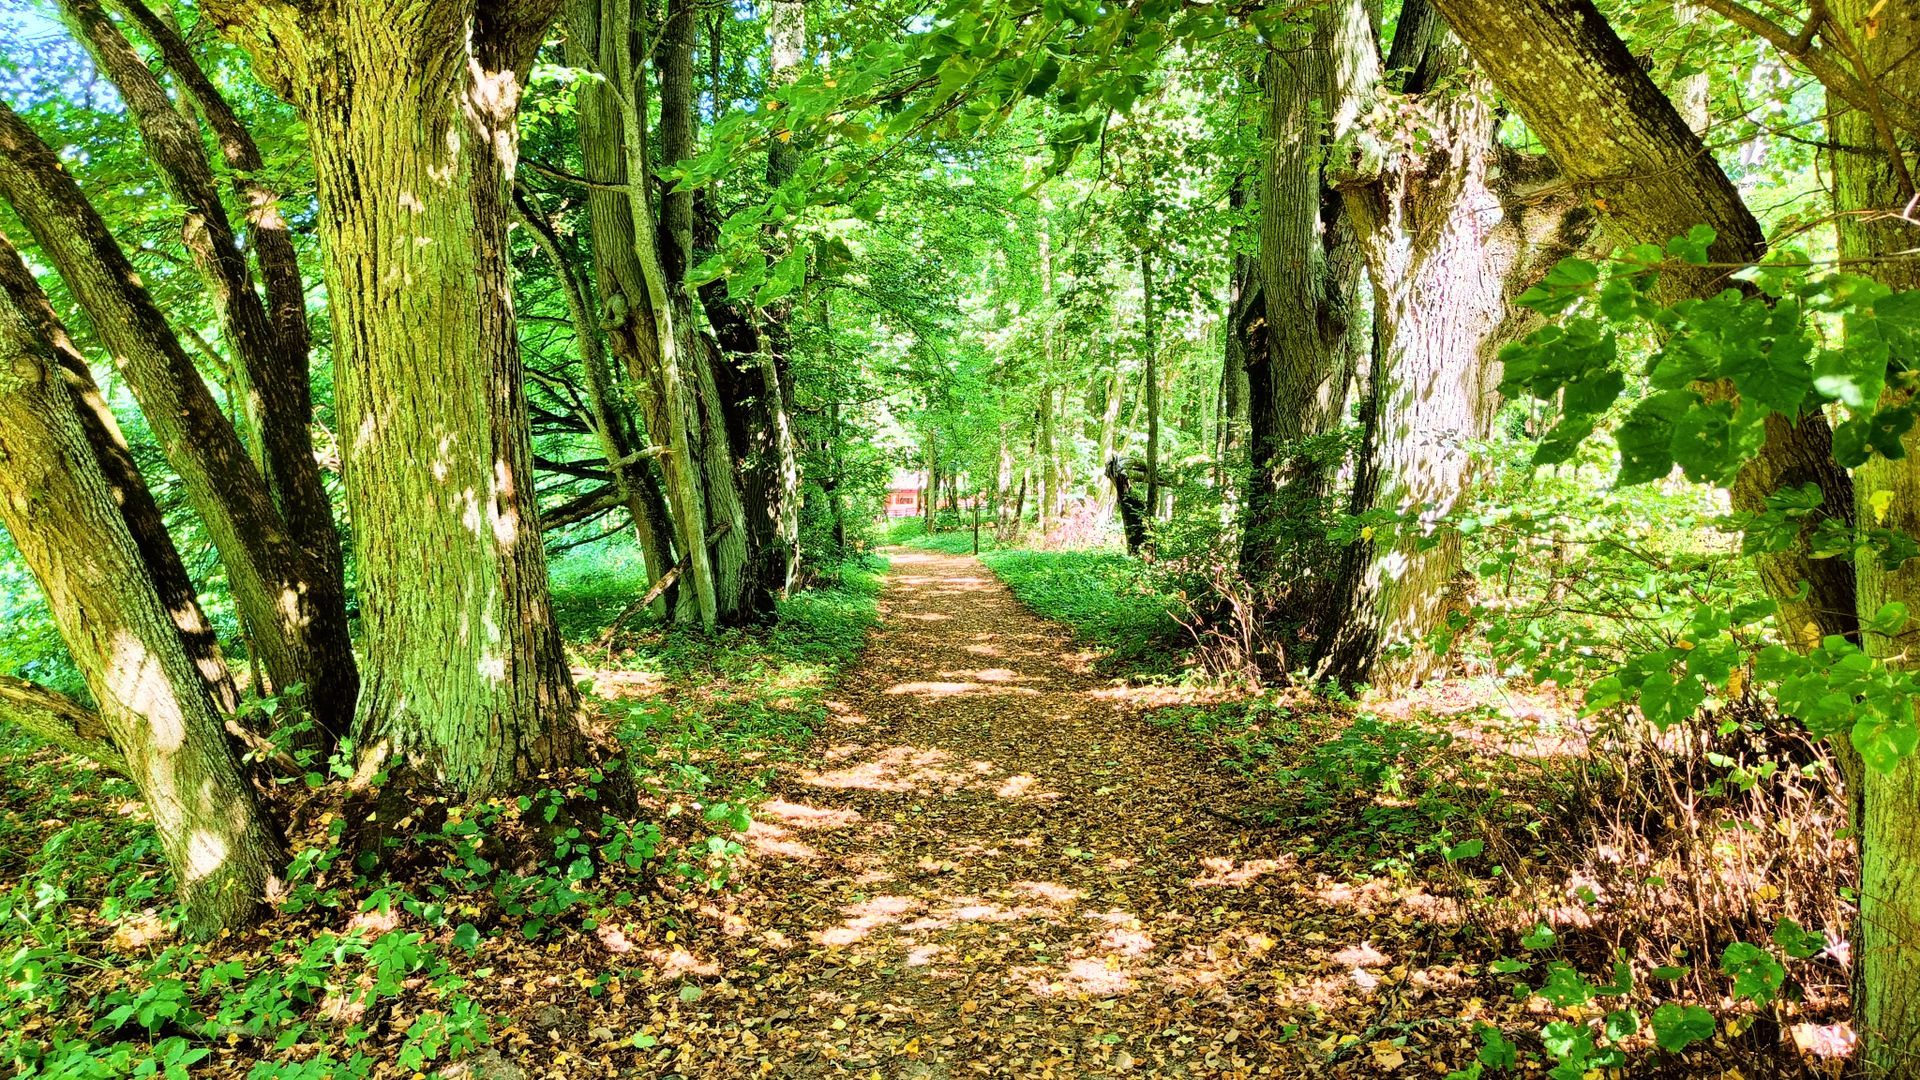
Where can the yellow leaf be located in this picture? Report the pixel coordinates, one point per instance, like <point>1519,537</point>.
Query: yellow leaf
<point>1880,502</point>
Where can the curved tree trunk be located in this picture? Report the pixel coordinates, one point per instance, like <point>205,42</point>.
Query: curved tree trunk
<point>269,347</point>
<point>59,508</point>
<point>1619,140</point>
<point>21,298</point>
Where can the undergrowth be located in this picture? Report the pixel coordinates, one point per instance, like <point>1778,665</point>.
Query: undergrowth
<point>404,960</point>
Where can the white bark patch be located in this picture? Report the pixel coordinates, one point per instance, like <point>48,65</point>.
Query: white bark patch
<point>290,605</point>
<point>505,517</point>
<point>138,682</point>
<point>206,854</point>
<point>493,660</point>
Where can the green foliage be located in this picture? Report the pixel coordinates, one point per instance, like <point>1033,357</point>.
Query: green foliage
<point>1106,598</point>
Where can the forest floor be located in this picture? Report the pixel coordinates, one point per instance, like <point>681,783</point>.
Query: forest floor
<point>990,863</point>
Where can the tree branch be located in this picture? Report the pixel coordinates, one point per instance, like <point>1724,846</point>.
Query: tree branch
<point>60,720</point>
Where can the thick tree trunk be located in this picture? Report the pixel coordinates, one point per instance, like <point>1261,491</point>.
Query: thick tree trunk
<point>293,606</point>
<point>1444,252</point>
<point>1870,192</point>
<point>1621,143</point>
<point>411,112</point>
<point>1299,327</point>
<point>59,508</point>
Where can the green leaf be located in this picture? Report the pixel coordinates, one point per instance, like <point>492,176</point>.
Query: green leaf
<point>1676,1027</point>
<point>1692,248</point>
<point>1466,849</point>
<point>1645,437</point>
<point>1890,620</point>
<point>1703,442</point>
<point>1621,1024</point>
<point>467,936</point>
<point>1756,974</point>
<point>1796,942</point>
<point>1565,986</point>
<point>1496,1050</point>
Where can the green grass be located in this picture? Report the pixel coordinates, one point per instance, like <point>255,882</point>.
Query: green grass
<point>744,689</point>
<point>952,543</point>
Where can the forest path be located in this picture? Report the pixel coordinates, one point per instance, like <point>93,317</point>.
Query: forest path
<point>986,866</point>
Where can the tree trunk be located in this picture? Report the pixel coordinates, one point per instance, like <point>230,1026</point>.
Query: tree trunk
<point>1620,142</point>
<point>1301,331</point>
<point>1444,252</point>
<point>59,721</point>
<point>609,424</point>
<point>1870,192</point>
<point>411,113</point>
<point>1244,334</point>
<point>22,300</point>
<point>288,600</point>
<point>59,508</point>
<point>1150,356</point>
<point>269,349</point>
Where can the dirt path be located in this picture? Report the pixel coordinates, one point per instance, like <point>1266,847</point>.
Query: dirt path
<point>986,867</point>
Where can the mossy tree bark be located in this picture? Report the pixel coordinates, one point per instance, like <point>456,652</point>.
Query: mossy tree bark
<point>1299,322</point>
<point>411,112</point>
<point>650,312</point>
<point>154,703</point>
<point>27,305</point>
<point>269,347</point>
<point>1872,189</point>
<point>289,600</point>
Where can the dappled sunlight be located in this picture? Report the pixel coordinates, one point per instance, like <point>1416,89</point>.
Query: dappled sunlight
<point>987,860</point>
<point>1227,872</point>
<point>950,689</point>
<point>138,681</point>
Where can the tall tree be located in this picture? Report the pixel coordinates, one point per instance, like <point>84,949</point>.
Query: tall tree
<point>411,111</point>
<point>1299,327</point>
<point>1444,247</point>
<point>1874,195</point>
<point>28,307</point>
<point>269,347</point>
<point>1648,178</point>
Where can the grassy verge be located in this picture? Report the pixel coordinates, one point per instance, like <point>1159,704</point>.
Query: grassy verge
<point>404,965</point>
